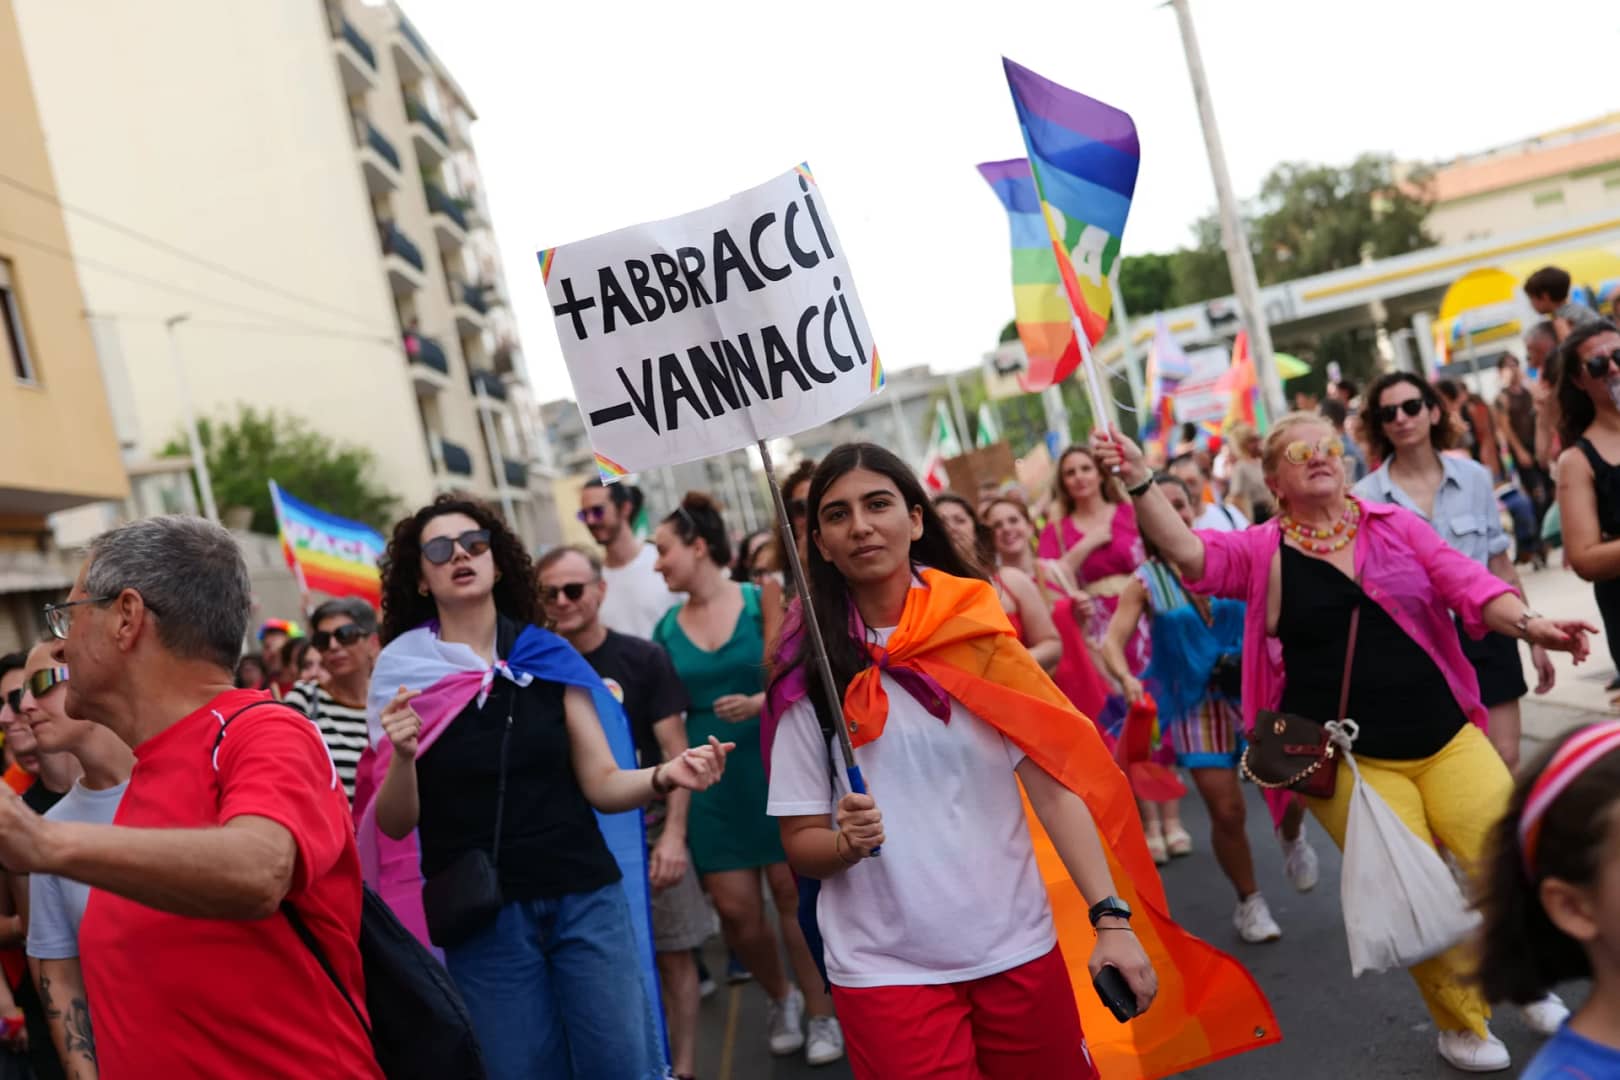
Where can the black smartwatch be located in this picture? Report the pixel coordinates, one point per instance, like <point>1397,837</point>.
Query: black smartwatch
<point>1110,905</point>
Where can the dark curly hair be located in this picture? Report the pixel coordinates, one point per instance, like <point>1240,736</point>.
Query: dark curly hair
<point>404,609</point>
<point>1442,436</point>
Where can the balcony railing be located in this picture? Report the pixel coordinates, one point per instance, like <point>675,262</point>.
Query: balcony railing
<point>475,297</point>
<point>491,384</point>
<point>427,352</point>
<point>410,34</point>
<point>395,242</point>
<point>419,113</point>
<point>506,358</point>
<point>378,142</point>
<point>455,457</point>
<point>440,203</point>
<point>359,44</point>
<point>517,473</point>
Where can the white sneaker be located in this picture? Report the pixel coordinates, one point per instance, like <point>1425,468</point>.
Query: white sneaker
<point>1470,1053</point>
<point>826,1042</point>
<point>1300,863</point>
<point>1254,922</point>
<point>786,1025</point>
<point>1546,1016</point>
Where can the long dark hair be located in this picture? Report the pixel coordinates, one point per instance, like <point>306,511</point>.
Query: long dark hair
<point>1441,435</point>
<point>984,541</point>
<point>404,608</point>
<point>1522,953</point>
<point>697,518</point>
<point>1575,409</point>
<point>829,592</point>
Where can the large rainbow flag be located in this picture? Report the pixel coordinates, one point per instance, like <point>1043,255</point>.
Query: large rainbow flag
<point>327,553</point>
<point>1083,159</point>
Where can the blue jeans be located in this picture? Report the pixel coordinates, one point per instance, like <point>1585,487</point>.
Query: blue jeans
<point>555,991</point>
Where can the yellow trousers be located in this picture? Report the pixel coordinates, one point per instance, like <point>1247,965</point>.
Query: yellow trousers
<point>1455,796</point>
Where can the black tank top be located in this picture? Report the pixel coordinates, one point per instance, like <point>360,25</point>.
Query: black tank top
<point>1606,483</point>
<point>1398,696</point>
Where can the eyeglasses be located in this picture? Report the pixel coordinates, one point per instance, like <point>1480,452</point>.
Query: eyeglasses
<point>441,549</point>
<point>13,699</point>
<point>1299,451</point>
<point>345,635</point>
<point>59,617</point>
<point>1388,413</point>
<point>592,515</point>
<point>573,590</point>
<point>1598,366</point>
<point>798,508</point>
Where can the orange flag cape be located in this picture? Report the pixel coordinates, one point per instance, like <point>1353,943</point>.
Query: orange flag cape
<point>1208,1006</point>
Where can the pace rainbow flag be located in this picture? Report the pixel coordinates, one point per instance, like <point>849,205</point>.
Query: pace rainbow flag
<point>327,553</point>
<point>1080,175</point>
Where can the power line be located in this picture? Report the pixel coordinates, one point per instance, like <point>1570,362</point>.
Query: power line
<point>178,252</point>
<point>145,279</point>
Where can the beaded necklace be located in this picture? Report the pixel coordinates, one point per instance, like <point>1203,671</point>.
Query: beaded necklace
<point>1325,541</point>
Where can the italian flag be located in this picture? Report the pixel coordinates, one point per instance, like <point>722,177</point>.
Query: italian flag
<point>942,444</point>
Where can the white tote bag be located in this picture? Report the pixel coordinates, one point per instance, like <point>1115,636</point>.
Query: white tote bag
<point>1401,902</point>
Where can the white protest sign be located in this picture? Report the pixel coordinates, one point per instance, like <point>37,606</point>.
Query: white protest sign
<point>1198,398</point>
<point>706,332</point>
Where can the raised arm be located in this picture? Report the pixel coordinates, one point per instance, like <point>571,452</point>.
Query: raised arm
<point>1156,519</point>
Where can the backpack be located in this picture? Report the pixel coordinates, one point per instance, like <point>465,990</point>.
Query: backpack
<point>420,1028</point>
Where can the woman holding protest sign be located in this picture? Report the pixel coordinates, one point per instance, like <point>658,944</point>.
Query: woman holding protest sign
<point>1349,614</point>
<point>943,954</point>
<point>716,640</point>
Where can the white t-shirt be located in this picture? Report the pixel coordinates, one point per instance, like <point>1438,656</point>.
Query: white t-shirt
<point>56,904</point>
<point>956,894</point>
<point>1215,518</point>
<point>636,595</point>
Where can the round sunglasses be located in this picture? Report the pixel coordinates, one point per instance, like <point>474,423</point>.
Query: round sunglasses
<point>1299,451</point>
<point>441,549</point>
<point>573,590</point>
<point>1598,366</point>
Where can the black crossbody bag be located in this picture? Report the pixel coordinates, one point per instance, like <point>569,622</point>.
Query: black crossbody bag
<point>465,896</point>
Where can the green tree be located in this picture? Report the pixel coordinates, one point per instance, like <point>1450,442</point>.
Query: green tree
<point>244,454</point>
<point>1200,272</point>
<point>1310,218</point>
<point>1147,282</point>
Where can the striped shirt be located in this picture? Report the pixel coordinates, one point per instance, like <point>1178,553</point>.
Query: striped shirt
<point>343,727</point>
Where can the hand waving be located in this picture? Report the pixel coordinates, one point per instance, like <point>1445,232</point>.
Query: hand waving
<point>700,767</point>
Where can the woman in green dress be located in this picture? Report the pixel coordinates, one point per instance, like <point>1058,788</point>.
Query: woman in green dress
<point>716,640</point>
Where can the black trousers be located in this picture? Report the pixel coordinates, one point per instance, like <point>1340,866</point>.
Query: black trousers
<point>1608,602</point>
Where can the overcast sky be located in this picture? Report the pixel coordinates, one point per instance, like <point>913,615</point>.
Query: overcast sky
<point>593,116</point>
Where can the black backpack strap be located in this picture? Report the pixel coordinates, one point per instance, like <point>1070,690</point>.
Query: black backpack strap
<point>308,938</point>
<point>225,722</point>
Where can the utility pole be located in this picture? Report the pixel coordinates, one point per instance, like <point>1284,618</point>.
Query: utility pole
<point>199,460</point>
<point>1234,237</point>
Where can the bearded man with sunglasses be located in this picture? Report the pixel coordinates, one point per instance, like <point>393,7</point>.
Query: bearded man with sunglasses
<point>639,673</point>
<point>637,596</point>
<point>345,634</point>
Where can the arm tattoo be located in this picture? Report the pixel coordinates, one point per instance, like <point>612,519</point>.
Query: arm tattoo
<point>80,1039</point>
<point>51,1011</point>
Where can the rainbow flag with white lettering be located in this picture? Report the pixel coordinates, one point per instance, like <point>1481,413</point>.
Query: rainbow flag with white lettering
<point>1067,203</point>
<point>327,553</point>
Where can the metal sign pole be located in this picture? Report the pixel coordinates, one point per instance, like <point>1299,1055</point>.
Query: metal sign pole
<point>818,645</point>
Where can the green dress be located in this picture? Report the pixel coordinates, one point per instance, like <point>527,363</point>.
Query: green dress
<point>727,827</point>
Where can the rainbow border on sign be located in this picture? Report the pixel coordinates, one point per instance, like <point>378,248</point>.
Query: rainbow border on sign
<point>803,169</point>
<point>610,469</point>
<point>878,378</point>
<point>545,264</point>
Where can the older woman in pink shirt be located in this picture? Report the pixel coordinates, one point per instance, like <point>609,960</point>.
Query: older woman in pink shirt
<point>1414,694</point>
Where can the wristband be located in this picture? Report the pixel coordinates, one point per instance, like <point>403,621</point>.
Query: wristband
<point>660,789</point>
<point>1136,491</point>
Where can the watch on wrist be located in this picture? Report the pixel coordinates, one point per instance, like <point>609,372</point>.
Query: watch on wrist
<point>1522,627</point>
<point>1109,905</point>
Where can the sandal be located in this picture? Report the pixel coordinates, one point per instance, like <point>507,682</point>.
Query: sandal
<point>1178,842</point>
<point>1156,848</point>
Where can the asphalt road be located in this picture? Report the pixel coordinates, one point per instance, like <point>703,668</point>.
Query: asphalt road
<point>1335,1027</point>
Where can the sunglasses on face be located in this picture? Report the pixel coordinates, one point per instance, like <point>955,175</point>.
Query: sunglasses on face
<point>1299,451</point>
<point>345,635</point>
<point>1411,407</point>
<point>441,549</point>
<point>592,515</point>
<point>1598,366</point>
<point>39,684</point>
<point>573,590</point>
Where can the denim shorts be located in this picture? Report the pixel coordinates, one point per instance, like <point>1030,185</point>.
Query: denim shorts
<point>555,990</point>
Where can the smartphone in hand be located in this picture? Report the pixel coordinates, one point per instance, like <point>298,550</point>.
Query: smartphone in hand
<point>1115,993</point>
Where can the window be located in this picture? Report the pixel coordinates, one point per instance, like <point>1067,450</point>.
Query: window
<point>11,314</point>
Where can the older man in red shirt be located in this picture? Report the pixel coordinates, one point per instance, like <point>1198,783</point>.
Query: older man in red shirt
<point>191,965</point>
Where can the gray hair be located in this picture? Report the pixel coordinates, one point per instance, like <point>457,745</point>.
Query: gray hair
<point>191,575</point>
<point>363,614</point>
<point>557,554</point>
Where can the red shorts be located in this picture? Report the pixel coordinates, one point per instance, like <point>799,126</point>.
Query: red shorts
<point>1015,1025</point>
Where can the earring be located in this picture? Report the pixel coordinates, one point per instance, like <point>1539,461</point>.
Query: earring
<point>421,590</point>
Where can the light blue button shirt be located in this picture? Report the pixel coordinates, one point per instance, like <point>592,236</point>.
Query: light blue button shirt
<point>1465,515</point>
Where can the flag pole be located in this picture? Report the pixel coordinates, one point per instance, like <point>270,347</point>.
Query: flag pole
<point>818,645</point>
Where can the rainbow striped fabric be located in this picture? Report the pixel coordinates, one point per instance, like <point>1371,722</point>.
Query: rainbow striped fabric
<point>327,553</point>
<point>1070,197</point>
